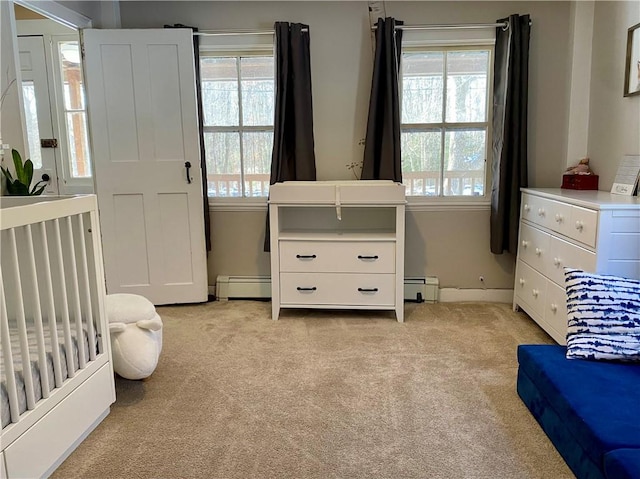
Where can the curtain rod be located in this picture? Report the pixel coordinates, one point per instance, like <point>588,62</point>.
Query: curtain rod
<point>219,33</point>
<point>453,26</point>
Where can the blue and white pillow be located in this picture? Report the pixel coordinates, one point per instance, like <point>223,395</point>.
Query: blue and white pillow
<point>604,316</point>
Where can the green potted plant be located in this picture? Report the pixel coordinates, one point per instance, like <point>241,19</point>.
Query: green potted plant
<point>21,185</point>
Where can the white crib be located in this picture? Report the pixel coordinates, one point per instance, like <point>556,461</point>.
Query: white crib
<point>53,322</point>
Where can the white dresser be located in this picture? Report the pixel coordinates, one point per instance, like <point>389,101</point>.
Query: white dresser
<point>337,244</point>
<point>591,230</point>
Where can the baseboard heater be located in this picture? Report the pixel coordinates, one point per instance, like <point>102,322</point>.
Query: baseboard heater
<point>420,289</point>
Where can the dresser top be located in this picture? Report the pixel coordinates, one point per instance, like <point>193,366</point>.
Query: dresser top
<point>601,200</point>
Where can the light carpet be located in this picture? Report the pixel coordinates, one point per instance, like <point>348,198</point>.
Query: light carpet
<point>326,394</point>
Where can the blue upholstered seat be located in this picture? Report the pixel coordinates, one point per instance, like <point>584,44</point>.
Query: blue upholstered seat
<point>587,408</point>
<point>622,464</point>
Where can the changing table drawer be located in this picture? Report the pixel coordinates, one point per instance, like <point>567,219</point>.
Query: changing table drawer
<point>337,289</point>
<point>337,257</point>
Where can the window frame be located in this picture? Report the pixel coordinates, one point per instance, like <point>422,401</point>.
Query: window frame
<point>470,202</point>
<point>69,182</point>
<point>238,202</point>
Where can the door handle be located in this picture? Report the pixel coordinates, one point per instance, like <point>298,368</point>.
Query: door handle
<point>187,165</point>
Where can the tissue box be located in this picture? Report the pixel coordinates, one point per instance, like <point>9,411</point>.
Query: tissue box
<point>580,182</point>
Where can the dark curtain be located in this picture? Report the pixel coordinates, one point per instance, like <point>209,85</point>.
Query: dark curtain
<point>509,163</point>
<point>293,157</point>
<point>382,159</point>
<point>203,161</point>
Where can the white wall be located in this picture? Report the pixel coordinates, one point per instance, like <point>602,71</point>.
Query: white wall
<point>453,245</point>
<point>614,121</point>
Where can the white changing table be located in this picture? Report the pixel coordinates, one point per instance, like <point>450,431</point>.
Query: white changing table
<point>337,245</point>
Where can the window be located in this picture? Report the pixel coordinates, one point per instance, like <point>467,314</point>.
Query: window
<point>238,94</point>
<point>74,111</point>
<point>31,120</point>
<point>445,121</point>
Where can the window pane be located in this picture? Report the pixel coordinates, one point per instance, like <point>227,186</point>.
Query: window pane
<point>80,166</point>
<point>467,86</point>
<point>219,91</point>
<point>421,162</point>
<point>31,117</point>
<point>73,89</point>
<point>257,146</point>
<point>222,153</point>
<point>464,155</point>
<point>422,87</point>
<point>257,90</point>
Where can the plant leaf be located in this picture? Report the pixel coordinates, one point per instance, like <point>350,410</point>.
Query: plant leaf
<point>17,163</point>
<point>39,191</point>
<point>7,174</point>
<point>17,189</point>
<point>28,172</point>
<point>35,191</point>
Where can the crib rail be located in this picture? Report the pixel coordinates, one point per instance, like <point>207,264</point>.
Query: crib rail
<point>51,296</point>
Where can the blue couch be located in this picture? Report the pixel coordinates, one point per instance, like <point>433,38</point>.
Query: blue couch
<point>590,410</point>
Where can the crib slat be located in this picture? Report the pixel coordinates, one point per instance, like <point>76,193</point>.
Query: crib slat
<point>86,289</point>
<point>66,328</point>
<point>22,322</point>
<point>82,361</point>
<point>51,307</point>
<point>37,315</point>
<point>7,356</point>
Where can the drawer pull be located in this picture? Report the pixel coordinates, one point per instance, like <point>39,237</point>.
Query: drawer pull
<point>306,256</point>
<point>368,290</point>
<point>538,251</point>
<point>579,225</point>
<point>559,218</point>
<point>527,208</point>
<point>535,293</point>
<point>525,243</point>
<point>557,262</point>
<point>367,257</point>
<point>313,288</point>
<point>554,307</point>
<point>521,282</point>
<point>540,211</point>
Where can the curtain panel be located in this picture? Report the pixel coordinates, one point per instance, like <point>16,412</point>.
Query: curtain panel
<point>203,160</point>
<point>293,157</point>
<point>510,100</point>
<point>382,153</point>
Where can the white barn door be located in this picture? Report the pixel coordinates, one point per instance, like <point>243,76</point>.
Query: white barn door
<point>144,130</point>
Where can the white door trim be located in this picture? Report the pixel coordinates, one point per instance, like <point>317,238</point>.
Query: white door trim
<point>57,12</point>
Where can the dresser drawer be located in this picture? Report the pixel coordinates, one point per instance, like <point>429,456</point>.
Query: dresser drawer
<point>534,247</point>
<point>573,221</point>
<point>337,257</point>
<point>555,313</point>
<point>530,287</point>
<point>307,289</point>
<point>544,212</point>
<point>567,255</point>
<point>583,225</point>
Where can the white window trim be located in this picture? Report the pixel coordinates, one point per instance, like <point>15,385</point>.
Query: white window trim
<point>455,203</point>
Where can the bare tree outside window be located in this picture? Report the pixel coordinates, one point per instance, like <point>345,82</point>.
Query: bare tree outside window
<point>238,94</point>
<point>445,121</point>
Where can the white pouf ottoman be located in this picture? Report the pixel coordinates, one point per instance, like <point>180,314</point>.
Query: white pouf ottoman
<point>136,335</point>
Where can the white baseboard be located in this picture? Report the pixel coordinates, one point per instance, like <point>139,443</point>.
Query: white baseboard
<point>259,287</point>
<point>455,295</point>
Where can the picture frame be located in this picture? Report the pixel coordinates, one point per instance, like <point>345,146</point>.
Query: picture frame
<point>632,67</point>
